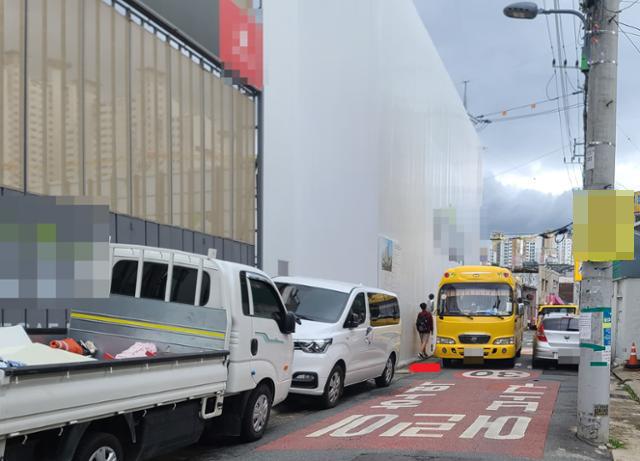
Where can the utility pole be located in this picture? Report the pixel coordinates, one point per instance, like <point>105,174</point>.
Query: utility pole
<point>596,289</point>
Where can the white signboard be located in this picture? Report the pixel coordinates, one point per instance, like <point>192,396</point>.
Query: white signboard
<point>585,326</point>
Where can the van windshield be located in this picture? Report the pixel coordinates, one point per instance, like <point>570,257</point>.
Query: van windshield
<point>313,303</point>
<point>475,299</point>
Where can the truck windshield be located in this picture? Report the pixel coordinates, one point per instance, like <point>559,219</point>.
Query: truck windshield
<point>313,303</point>
<point>476,299</point>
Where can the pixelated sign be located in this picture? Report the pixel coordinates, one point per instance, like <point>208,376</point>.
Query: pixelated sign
<point>603,225</point>
<point>240,44</point>
<point>469,415</point>
<point>54,249</point>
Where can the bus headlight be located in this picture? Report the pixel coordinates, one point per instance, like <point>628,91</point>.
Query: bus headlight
<point>443,340</point>
<point>503,341</point>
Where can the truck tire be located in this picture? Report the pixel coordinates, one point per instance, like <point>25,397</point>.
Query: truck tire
<point>333,388</point>
<point>99,446</point>
<point>384,380</point>
<point>256,413</point>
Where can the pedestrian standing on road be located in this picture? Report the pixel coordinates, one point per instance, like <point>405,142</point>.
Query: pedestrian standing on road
<point>424,325</point>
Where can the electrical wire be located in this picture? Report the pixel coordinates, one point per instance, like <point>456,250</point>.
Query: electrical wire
<point>524,106</point>
<point>627,25</point>
<point>517,167</point>
<point>634,3</point>
<point>633,44</point>
<point>537,114</point>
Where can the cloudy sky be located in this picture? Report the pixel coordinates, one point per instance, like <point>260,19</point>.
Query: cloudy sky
<point>508,63</point>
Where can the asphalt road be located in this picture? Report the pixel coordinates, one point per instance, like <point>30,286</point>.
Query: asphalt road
<point>463,413</point>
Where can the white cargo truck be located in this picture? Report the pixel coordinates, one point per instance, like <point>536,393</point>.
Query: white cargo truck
<point>224,354</point>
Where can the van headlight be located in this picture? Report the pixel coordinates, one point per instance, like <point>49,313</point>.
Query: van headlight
<point>312,346</point>
<point>503,341</point>
<point>444,340</point>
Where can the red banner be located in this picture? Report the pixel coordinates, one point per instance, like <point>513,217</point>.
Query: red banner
<point>240,44</point>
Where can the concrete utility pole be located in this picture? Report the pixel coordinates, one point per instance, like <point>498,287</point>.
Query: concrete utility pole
<point>596,290</point>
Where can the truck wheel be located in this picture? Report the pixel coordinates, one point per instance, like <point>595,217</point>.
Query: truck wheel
<point>334,387</point>
<point>387,374</point>
<point>256,413</point>
<point>99,446</point>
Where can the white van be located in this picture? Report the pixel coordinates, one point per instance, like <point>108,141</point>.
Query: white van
<point>347,334</point>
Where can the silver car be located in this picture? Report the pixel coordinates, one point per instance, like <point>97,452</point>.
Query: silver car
<point>557,339</point>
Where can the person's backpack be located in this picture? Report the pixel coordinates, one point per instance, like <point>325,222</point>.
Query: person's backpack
<point>422,324</point>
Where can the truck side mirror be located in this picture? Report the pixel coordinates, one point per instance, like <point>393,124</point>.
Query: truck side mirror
<point>289,323</point>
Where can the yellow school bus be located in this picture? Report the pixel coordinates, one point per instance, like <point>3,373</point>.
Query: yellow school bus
<point>479,315</point>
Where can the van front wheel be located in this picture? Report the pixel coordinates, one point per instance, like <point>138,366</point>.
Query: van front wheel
<point>384,380</point>
<point>334,387</point>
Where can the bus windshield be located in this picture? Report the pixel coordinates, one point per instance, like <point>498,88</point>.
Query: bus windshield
<point>476,299</point>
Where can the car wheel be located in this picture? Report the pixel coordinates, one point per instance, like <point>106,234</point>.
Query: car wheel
<point>256,413</point>
<point>387,374</point>
<point>446,363</point>
<point>510,363</point>
<point>333,388</point>
<point>99,446</point>
<point>519,353</point>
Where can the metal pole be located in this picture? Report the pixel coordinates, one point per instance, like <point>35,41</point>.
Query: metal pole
<point>596,290</point>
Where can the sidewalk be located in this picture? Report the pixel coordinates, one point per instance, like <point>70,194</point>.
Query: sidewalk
<point>625,414</point>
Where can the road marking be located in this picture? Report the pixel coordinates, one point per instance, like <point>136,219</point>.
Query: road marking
<point>496,374</point>
<point>468,415</point>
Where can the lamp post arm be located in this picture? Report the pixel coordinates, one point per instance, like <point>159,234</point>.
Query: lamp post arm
<point>573,12</point>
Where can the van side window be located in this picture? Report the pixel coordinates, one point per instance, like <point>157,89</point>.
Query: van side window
<point>383,309</point>
<point>358,307</point>
<point>123,278</point>
<point>265,300</point>
<point>154,280</point>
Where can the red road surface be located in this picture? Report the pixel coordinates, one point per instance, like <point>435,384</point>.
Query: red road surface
<point>470,415</point>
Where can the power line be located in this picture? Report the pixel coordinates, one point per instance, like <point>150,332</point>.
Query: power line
<point>537,114</point>
<point>627,25</point>
<point>633,44</point>
<point>524,106</point>
<point>527,162</point>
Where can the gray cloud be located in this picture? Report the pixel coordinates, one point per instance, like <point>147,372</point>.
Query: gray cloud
<point>522,211</point>
<point>508,63</point>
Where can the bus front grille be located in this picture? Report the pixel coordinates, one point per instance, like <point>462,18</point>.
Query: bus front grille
<point>474,339</point>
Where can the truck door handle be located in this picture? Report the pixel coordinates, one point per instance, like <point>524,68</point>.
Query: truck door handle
<point>254,346</point>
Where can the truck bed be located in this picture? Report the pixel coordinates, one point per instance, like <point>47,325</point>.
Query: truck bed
<point>35,398</point>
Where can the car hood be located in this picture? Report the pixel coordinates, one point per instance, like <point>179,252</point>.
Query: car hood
<point>309,329</point>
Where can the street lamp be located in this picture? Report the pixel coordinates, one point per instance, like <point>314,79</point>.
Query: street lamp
<point>529,10</point>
